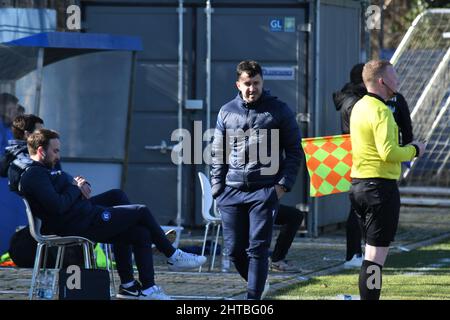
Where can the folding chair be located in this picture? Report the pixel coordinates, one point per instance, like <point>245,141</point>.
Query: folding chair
<point>211,219</point>
<point>46,241</point>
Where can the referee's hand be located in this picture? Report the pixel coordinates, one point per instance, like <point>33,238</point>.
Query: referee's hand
<point>421,147</point>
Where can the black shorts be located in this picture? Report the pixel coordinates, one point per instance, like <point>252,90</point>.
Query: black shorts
<point>377,205</point>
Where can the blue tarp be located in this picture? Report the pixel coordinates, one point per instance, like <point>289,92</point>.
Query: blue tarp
<point>21,56</point>
<point>76,40</point>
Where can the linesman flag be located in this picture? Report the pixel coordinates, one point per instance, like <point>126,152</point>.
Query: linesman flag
<point>329,161</point>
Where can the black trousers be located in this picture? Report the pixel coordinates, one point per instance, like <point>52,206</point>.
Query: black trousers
<point>377,205</point>
<point>247,229</point>
<point>131,229</point>
<point>290,219</point>
<point>353,234</point>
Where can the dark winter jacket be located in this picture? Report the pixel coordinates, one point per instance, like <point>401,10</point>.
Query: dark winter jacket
<point>344,101</point>
<point>56,200</point>
<point>399,107</point>
<point>245,128</point>
<point>15,149</point>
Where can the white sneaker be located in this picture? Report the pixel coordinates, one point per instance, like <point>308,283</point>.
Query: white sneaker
<point>182,260</point>
<point>266,289</point>
<point>355,262</point>
<point>154,293</point>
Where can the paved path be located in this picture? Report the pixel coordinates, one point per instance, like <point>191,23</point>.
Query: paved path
<point>323,255</point>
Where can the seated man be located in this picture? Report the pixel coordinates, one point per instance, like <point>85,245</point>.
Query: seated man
<point>64,205</point>
<point>22,126</point>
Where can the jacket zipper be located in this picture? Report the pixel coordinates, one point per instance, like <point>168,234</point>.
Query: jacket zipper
<point>246,151</point>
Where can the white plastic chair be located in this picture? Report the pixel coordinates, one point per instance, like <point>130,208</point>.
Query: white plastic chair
<point>47,241</point>
<point>211,219</point>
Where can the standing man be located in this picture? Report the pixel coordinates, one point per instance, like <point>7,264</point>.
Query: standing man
<point>289,219</point>
<point>344,101</point>
<point>377,158</point>
<point>250,173</point>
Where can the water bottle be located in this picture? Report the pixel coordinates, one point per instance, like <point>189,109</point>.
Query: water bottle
<point>45,290</point>
<point>225,259</point>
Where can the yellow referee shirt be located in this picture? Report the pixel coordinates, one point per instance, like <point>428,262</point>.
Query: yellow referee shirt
<point>374,136</point>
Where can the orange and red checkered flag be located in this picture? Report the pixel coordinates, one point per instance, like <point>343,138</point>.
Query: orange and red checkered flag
<point>329,161</point>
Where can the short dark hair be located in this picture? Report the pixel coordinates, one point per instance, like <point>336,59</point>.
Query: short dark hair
<point>40,138</point>
<point>251,67</point>
<point>24,122</point>
<point>356,73</point>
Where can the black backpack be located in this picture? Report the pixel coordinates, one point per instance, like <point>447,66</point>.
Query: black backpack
<point>11,154</point>
<point>22,250</point>
<point>16,169</point>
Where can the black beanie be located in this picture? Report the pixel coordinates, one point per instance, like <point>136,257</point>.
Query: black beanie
<point>356,73</point>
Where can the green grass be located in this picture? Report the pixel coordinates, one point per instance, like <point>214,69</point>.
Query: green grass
<point>416,275</point>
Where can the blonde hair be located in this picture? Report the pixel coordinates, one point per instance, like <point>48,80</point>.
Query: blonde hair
<point>373,70</point>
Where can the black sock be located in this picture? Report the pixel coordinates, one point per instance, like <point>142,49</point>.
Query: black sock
<point>370,280</point>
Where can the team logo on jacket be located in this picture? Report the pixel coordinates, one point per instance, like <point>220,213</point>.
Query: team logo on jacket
<point>106,216</point>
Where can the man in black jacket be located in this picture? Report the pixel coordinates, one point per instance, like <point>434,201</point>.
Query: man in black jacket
<point>344,101</point>
<point>249,172</point>
<point>402,117</point>
<point>64,205</point>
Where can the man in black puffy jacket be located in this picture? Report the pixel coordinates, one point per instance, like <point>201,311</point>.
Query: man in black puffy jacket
<point>256,154</point>
<point>344,101</point>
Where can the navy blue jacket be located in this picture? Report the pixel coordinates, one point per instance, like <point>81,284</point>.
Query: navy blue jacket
<point>247,131</point>
<point>56,201</point>
<point>14,150</point>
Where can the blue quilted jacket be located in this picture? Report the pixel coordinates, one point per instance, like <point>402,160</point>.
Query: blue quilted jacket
<point>255,145</point>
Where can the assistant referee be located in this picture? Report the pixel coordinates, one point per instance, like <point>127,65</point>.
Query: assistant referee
<point>377,158</point>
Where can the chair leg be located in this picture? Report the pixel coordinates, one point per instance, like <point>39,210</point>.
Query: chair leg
<point>93,259</point>
<point>110,268</point>
<point>58,266</point>
<point>44,264</point>
<point>86,255</point>
<point>215,247</point>
<point>61,258</point>
<point>36,269</point>
<point>204,242</point>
